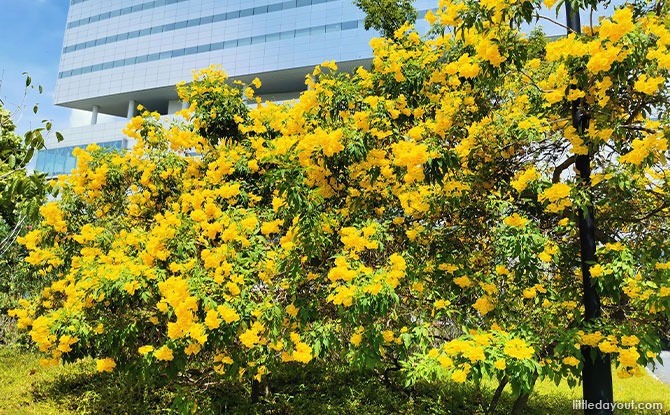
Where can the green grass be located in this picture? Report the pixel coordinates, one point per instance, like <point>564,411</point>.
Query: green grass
<point>638,389</point>
<point>22,376</point>
<point>26,388</point>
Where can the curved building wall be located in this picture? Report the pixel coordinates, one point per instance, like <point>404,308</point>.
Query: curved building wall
<point>139,49</point>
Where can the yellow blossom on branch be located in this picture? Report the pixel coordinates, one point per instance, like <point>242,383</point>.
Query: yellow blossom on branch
<point>105,365</point>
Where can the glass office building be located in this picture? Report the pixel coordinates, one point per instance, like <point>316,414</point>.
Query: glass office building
<point>118,54</point>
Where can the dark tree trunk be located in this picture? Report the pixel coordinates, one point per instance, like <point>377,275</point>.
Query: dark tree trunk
<point>520,404</point>
<point>496,395</point>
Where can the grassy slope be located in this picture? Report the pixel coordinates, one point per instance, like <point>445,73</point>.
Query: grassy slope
<point>26,388</point>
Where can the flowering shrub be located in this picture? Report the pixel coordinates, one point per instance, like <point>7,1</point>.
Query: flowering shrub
<point>416,214</point>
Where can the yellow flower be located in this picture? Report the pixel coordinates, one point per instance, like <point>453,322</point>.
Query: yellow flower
<point>440,304</point>
<point>606,346</point>
<point>65,343</point>
<point>500,364</point>
<point>445,361</point>
<point>629,340</point>
<point>302,353</point>
<point>430,17</point>
<point>249,223</point>
<point>515,221</point>
<point>575,94</point>
<point>521,182</point>
<point>488,51</point>
<point>192,349</point>
<point>623,25</point>
<point>388,336</point>
<point>597,270</point>
<point>554,193</point>
<point>448,268</point>
<point>592,339</point>
<point>233,288</point>
<point>331,142</point>
<point>408,154</point>
<point>250,338</point>
<point>292,310</point>
<point>557,195</point>
<point>197,333</point>
<point>602,58</point>
<point>459,376</point>
<point>617,246</point>
<point>475,354</point>
<point>530,292</point>
<point>49,362</point>
<point>164,353</point>
<point>212,320</point>
<point>463,282</point>
<point>105,365</point>
<point>647,85</point>
<point>484,305</point>
<point>343,295</point>
<point>571,361</point>
<point>271,227</point>
<point>628,357</point>
<point>144,350</point>
<point>518,349</point>
<point>53,216</point>
<point>356,339</point>
<point>131,287</point>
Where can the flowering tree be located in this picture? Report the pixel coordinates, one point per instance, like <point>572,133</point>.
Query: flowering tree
<point>418,215</point>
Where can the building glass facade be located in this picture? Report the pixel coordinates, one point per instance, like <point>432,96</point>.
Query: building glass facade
<point>118,54</point>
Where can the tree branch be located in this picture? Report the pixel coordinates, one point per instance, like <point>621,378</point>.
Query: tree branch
<point>642,218</point>
<point>556,177</point>
<point>557,23</point>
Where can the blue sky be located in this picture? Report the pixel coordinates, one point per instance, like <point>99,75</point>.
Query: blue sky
<point>31,36</point>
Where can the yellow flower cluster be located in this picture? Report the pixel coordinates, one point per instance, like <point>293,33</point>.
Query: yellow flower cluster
<point>557,195</point>
<point>518,349</point>
<point>521,181</point>
<point>105,365</point>
<point>515,221</point>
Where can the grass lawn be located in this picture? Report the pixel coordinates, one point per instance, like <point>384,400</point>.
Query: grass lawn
<point>26,388</point>
<point>21,379</point>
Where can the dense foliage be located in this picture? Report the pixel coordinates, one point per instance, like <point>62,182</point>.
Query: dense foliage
<point>22,192</point>
<point>417,216</point>
<point>387,16</point>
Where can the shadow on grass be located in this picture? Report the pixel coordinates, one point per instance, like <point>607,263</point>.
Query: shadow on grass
<point>294,390</point>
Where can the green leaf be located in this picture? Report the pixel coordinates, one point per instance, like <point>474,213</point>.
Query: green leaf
<point>29,155</point>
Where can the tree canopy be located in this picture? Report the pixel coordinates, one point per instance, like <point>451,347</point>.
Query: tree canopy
<point>387,16</point>
<point>22,192</point>
<point>419,215</point>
